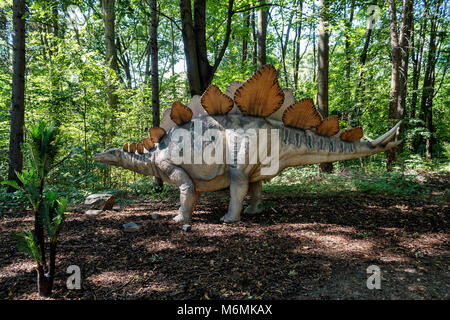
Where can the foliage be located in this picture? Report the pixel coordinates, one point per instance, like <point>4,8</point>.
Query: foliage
<point>41,151</point>
<point>66,78</point>
<point>409,181</point>
<point>28,244</point>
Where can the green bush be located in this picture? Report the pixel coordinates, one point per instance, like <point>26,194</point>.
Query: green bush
<point>40,152</point>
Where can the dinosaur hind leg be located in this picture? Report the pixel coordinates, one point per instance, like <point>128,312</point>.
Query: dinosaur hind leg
<point>238,191</point>
<point>255,191</point>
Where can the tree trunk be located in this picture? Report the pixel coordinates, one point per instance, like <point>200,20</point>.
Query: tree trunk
<point>262,35</point>
<point>405,44</point>
<point>190,48</point>
<point>254,39</point>
<point>155,73</point>
<point>172,58</point>
<point>284,41</point>
<point>284,50</point>
<point>348,61</point>
<point>417,58</point>
<point>200,72</point>
<point>298,38</point>
<point>205,68</point>
<point>314,45</point>
<point>44,282</point>
<point>246,17</point>
<point>395,76</point>
<point>400,57</point>
<point>109,17</point>
<point>322,73</point>
<point>45,279</point>
<point>359,98</point>
<point>4,33</point>
<point>18,92</point>
<point>124,61</point>
<point>428,85</point>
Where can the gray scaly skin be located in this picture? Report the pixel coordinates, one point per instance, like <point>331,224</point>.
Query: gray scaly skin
<point>296,147</point>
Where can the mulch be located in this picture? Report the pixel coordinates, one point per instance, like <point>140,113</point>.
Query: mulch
<point>301,247</point>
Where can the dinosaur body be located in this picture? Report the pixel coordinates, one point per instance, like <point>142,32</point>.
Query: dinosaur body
<point>206,152</point>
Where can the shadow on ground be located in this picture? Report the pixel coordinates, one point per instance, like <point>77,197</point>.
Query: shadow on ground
<point>300,247</point>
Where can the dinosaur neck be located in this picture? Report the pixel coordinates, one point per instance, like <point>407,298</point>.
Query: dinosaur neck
<point>139,163</point>
<point>305,147</point>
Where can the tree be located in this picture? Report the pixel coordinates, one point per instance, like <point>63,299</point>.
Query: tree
<point>322,73</point>
<point>426,111</point>
<point>399,66</point>
<point>17,114</point>
<point>417,49</point>
<point>297,42</point>
<point>405,43</point>
<point>155,71</point>
<point>284,41</point>
<point>254,35</point>
<point>73,78</point>
<point>262,35</point>
<point>359,100</point>
<point>348,61</point>
<point>246,18</point>
<point>200,71</point>
<point>109,18</point>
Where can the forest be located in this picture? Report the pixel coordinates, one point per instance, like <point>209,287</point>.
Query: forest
<point>101,73</point>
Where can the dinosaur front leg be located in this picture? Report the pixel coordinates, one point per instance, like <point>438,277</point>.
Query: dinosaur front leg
<point>188,195</point>
<point>255,191</point>
<point>238,191</point>
<point>188,199</point>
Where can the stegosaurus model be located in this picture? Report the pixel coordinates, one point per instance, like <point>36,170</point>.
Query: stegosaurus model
<point>239,139</point>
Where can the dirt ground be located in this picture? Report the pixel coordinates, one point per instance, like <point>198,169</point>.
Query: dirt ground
<point>301,247</point>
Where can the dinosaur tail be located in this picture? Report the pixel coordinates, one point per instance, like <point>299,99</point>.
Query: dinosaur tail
<point>323,149</point>
<point>363,148</point>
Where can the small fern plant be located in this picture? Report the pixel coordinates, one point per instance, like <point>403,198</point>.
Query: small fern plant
<point>41,151</point>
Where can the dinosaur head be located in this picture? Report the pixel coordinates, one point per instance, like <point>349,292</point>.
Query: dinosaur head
<point>111,156</point>
<point>140,163</point>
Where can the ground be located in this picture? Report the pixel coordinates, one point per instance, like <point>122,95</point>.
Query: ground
<point>303,246</point>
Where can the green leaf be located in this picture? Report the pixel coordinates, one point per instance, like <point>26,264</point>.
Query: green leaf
<point>27,244</point>
<point>11,183</point>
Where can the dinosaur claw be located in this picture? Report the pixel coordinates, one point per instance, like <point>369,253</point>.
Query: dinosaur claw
<point>250,210</point>
<point>229,219</point>
<point>181,218</point>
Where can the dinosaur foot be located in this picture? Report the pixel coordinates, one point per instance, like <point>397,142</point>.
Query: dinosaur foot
<point>253,210</point>
<point>228,218</point>
<point>181,218</point>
